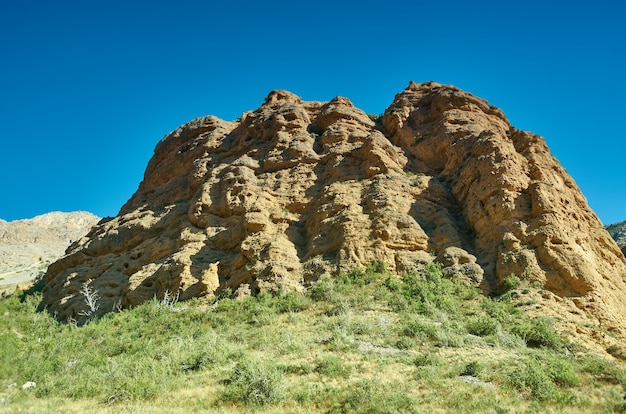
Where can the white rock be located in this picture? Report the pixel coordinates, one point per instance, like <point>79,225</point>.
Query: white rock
<point>28,385</point>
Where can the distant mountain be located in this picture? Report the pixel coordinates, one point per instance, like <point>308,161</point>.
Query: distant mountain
<point>28,246</point>
<point>618,232</point>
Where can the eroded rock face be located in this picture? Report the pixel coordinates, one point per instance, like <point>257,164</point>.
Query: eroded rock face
<point>297,189</point>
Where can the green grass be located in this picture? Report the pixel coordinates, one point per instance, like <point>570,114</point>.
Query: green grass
<point>361,342</point>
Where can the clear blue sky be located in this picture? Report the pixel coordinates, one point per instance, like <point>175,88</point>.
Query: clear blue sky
<point>87,88</point>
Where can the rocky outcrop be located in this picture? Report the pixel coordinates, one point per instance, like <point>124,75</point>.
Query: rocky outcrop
<point>296,189</point>
<point>28,246</point>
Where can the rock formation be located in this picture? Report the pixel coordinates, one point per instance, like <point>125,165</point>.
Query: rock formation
<point>28,246</point>
<point>296,189</point>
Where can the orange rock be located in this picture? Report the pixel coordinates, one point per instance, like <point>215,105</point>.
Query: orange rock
<point>296,189</point>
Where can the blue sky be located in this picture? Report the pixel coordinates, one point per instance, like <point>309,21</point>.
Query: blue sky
<point>87,88</point>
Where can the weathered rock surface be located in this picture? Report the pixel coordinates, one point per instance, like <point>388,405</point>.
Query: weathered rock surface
<point>296,189</point>
<point>28,246</point>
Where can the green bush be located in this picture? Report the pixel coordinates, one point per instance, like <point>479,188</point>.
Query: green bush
<point>427,360</point>
<point>501,310</point>
<point>538,333</point>
<point>429,290</point>
<point>258,310</point>
<point>512,282</point>
<point>449,338</point>
<point>534,380</point>
<point>355,277</point>
<point>255,383</point>
<point>323,289</point>
<point>603,370</point>
<point>563,372</point>
<point>482,326</point>
<point>418,328</point>
<point>201,351</point>
<point>292,302</point>
<point>332,366</point>
<point>472,368</point>
<point>375,269</point>
<point>405,343</point>
<point>393,284</point>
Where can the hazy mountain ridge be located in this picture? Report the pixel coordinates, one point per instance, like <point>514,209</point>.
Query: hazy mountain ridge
<point>28,246</point>
<point>618,232</point>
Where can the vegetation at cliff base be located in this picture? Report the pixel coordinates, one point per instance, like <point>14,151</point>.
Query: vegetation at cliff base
<point>361,342</point>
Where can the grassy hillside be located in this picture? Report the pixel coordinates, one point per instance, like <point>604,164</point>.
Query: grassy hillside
<point>361,343</point>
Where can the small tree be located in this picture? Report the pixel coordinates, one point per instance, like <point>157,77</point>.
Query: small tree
<point>91,299</point>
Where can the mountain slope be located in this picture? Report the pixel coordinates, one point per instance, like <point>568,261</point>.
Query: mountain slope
<point>28,246</point>
<point>618,232</point>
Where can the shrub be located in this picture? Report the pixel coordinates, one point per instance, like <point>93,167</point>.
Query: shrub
<point>405,343</point>
<point>354,277</point>
<point>538,333</point>
<point>420,329</point>
<point>563,373</point>
<point>143,356</point>
<point>534,380</point>
<point>427,360</point>
<point>393,284</point>
<point>200,352</point>
<point>254,383</point>
<point>332,366</point>
<point>472,368</point>
<point>512,282</point>
<point>501,310</point>
<point>449,338</point>
<point>292,302</point>
<point>323,289</point>
<point>339,306</point>
<point>428,290</point>
<point>375,269</point>
<point>258,310</point>
<point>603,370</point>
<point>434,271</point>
<point>482,326</point>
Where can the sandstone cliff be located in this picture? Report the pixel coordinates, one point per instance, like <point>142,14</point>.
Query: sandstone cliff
<point>296,189</point>
<point>28,246</point>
